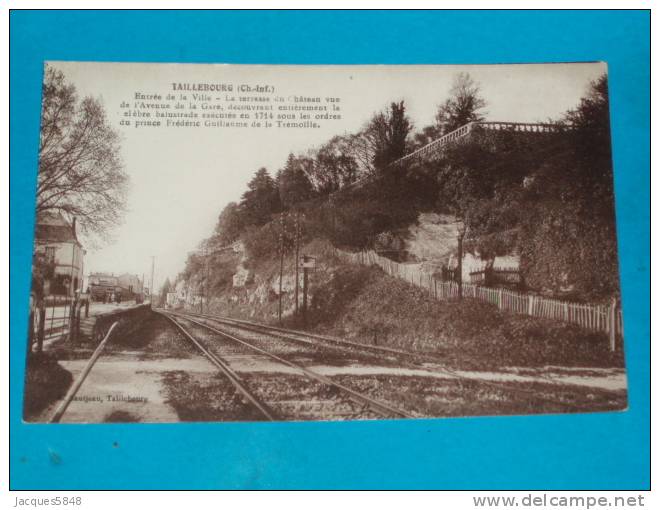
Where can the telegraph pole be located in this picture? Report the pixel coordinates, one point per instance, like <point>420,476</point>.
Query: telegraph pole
<point>205,289</point>
<point>307,264</point>
<point>304,304</point>
<point>279,306</point>
<point>462,229</point>
<point>206,281</point>
<point>297,259</point>
<point>151,285</point>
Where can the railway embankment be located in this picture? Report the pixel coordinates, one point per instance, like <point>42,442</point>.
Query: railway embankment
<point>129,319</point>
<point>128,382</point>
<point>366,305</point>
<point>50,373</point>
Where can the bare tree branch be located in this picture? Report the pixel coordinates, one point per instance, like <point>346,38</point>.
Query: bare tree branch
<point>80,171</point>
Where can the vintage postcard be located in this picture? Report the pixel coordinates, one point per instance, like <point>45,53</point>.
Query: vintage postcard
<point>292,243</point>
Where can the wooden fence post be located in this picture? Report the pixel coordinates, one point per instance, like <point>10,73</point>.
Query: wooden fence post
<point>530,310</point>
<point>30,330</point>
<point>78,314</point>
<point>500,305</point>
<point>613,324</point>
<point>41,331</point>
<point>72,320</point>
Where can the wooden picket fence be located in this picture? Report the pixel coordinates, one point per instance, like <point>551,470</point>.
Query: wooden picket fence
<point>605,318</point>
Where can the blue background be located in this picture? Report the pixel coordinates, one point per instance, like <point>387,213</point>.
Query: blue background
<point>537,452</point>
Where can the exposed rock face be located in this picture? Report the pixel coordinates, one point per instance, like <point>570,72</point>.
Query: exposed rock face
<point>433,238</point>
<point>288,283</point>
<point>242,277</point>
<point>434,241</point>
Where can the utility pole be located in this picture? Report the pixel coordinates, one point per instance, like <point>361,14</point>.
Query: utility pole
<point>279,306</point>
<point>206,281</point>
<point>333,211</point>
<point>71,290</point>
<point>462,228</point>
<point>204,294</point>
<point>297,259</point>
<point>151,285</point>
<point>304,303</point>
<point>307,264</point>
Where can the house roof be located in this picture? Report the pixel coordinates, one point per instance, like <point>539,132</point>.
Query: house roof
<point>53,228</point>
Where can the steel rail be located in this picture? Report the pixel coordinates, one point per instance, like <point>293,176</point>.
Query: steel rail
<point>278,332</point>
<point>226,370</point>
<point>377,406</point>
<point>73,390</point>
<point>333,340</point>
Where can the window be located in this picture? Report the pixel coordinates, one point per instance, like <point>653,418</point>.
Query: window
<point>50,254</point>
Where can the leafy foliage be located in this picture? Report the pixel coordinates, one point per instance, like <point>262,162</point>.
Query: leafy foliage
<point>568,237</point>
<point>464,105</point>
<point>261,199</point>
<point>546,197</point>
<point>388,133</point>
<point>292,181</point>
<point>265,241</point>
<point>164,290</point>
<point>335,164</point>
<point>230,224</point>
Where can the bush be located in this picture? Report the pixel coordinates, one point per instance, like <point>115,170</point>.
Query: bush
<point>263,242</point>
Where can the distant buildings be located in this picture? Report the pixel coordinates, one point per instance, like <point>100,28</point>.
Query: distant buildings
<point>129,283</point>
<point>108,287</point>
<point>172,300</point>
<point>102,286</point>
<point>57,245</point>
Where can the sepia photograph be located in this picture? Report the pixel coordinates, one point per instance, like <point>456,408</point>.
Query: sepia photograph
<point>219,242</point>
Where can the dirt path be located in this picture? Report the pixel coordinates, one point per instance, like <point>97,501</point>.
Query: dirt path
<point>121,388</point>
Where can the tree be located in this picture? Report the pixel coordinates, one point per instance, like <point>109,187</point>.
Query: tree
<point>230,224</point>
<point>387,133</point>
<point>464,105</point>
<point>568,234</point>
<point>591,145</point>
<point>426,136</point>
<point>292,181</point>
<point>480,182</point>
<point>335,164</point>
<point>164,290</point>
<point>80,169</point>
<point>261,200</point>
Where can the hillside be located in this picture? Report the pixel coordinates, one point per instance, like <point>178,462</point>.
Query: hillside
<point>366,305</point>
<point>432,240</point>
<point>538,200</point>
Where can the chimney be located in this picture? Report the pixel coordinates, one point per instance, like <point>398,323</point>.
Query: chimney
<point>73,228</point>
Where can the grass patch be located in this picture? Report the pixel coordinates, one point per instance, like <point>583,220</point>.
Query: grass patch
<point>366,305</point>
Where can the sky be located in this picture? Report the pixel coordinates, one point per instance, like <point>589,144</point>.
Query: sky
<point>181,179</point>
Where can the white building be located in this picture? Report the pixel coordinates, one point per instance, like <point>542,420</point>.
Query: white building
<point>172,301</point>
<point>56,242</point>
<point>130,284</point>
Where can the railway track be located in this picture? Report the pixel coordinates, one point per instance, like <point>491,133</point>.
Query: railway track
<point>374,406</point>
<point>233,377</point>
<point>414,361</point>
